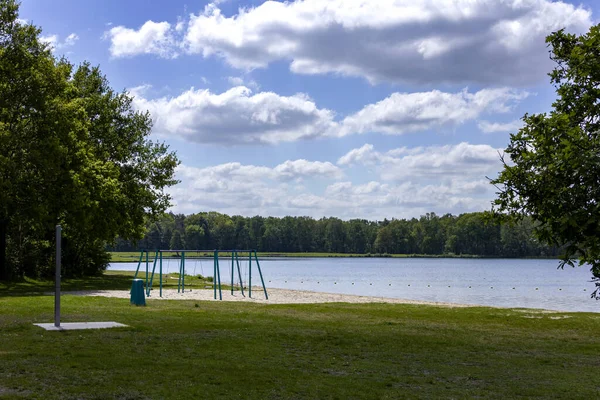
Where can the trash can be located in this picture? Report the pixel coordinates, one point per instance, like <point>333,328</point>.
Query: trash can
<point>138,297</point>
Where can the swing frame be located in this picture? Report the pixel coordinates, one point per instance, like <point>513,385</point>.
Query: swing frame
<point>235,261</point>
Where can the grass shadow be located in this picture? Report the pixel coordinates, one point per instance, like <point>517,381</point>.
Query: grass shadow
<point>109,280</point>
<point>32,287</point>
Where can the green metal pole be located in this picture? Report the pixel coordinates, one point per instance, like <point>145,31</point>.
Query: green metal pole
<point>261,277</point>
<point>183,272</point>
<point>139,263</point>
<point>250,274</point>
<point>215,255</point>
<point>179,277</point>
<point>152,275</point>
<point>232,272</point>
<point>160,294</point>
<point>146,269</point>
<point>219,275</point>
<point>237,261</point>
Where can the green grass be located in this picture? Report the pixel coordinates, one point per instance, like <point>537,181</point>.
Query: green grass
<point>192,349</point>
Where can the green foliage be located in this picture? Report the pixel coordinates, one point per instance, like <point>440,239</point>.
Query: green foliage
<point>467,234</point>
<point>552,175</point>
<point>176,243</point>
<point>73,152</point>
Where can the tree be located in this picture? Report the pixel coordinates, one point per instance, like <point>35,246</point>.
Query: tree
<point>153,237</point>
<point>176,241</point>
<point>335,236</point>
<point>194,237</point>
<point>554,171</point>
<point>385,240</point>
<point>72,151</point>
<point>29,80</point>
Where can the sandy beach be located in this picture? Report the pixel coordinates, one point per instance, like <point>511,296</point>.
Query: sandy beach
<point>276,296</point>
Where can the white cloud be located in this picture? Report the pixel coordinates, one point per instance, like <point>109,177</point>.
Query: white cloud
<point>444,162</point>
<point>54,41</point>
<point>235,80</point>
<point>151,38</point>
<point>303,168</point>
<point>492,127</point>
<point>429,163</point>
<point>234,177</point>
<point>417,180</point>
<point>241,116</point>
<point>140,90</point>
<point>236,116</point>
<point>71,39</point>
<point>408,182</point>
<point>410,199</point>
<point>237,188</point>
<point>286,171</point>
<point>365,155</point>
<point>484,41</point>
<point>410,112</point>
<point>51,40</point>
<point>240,81</point>
<point>422,41</point>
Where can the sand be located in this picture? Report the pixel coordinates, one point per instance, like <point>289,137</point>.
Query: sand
<point>276,296</point>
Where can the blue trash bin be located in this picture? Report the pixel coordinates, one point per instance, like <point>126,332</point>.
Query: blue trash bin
<point>138,297</point>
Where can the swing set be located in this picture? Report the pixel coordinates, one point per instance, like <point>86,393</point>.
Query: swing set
<point>152,258</point>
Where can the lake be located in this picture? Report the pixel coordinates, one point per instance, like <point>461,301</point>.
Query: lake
<point>491,282</point>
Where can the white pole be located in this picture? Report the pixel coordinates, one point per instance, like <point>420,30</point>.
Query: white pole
<point>57,278</point>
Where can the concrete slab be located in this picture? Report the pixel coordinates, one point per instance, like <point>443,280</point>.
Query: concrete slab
<point>72,326</point>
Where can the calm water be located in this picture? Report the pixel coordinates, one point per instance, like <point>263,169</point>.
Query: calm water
<point>493,282</point>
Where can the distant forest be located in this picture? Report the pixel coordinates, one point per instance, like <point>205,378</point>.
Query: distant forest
<point>467,234</point>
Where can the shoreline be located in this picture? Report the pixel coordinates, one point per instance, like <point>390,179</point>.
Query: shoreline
<point>128,257</point>
<point>289,296</point>
<point>276,296</point>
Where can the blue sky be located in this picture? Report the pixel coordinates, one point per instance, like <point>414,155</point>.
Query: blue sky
<point>350,108</point>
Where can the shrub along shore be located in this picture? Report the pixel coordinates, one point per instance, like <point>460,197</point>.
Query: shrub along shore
<point>134,256</point>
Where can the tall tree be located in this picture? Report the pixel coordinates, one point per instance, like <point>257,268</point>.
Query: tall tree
<point>176,241</point>
<point>554,171</point>
<point>31,82</point>
<point>74,152</point>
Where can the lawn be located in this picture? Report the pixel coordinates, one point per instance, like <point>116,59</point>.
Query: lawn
<point>191,349</point>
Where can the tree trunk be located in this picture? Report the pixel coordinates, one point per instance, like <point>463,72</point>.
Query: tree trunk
<point>3,263</point>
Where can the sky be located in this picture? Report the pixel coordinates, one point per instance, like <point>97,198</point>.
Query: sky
<point>348,108</point>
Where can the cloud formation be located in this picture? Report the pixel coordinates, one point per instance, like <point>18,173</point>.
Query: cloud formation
<point>237,188</point>
<point>239,115</point>
<point>241,81</point>
<point>417,41</point>
<point>455,162</point>
<point>411,112</point>
<point>286,171</point>
<point>151,38</point>
<point>406,182</point>
<point>236,116</point>
<point>54,41</point>
<point>494,127</point>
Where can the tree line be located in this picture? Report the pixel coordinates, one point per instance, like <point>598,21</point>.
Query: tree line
<point>466,234</point>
